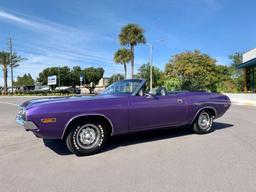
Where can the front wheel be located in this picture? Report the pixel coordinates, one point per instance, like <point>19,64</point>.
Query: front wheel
<point>203,122</point>
<point>86,138</point>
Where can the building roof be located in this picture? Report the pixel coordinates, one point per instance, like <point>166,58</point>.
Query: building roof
<point>247,63</point>
<point>249,55</point>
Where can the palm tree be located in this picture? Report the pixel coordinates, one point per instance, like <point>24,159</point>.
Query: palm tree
<point>123,56</point>
<point>14,63</point>
<point>6,61</point>
<point>131,35</point>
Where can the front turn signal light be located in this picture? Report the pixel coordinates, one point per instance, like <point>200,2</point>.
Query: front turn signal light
<point>49,120</point>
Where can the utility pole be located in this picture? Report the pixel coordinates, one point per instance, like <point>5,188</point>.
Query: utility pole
<point>11,64</point>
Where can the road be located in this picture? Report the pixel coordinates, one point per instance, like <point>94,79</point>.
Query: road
<point>166,160</point>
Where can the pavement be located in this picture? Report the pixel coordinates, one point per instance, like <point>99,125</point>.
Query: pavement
<point>164,160</point>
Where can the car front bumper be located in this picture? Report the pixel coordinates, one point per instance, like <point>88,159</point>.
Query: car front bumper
<point>28,125</point>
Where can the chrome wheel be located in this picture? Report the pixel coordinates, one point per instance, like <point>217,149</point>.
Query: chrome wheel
<point>88,136</point>
<point>204,120</point>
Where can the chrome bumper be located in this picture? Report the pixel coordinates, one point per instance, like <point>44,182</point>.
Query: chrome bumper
<point>28,125</point>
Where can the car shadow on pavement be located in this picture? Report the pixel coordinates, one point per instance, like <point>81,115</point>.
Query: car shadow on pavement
<point>154,135</point>
<point>59,147</point>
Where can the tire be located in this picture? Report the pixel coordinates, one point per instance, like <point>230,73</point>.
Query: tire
<point>203,123</point>
<point>86,138</point>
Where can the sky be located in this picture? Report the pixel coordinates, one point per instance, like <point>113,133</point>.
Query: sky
<point>85,32</point>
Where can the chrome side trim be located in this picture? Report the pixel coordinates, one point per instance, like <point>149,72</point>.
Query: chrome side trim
<point>204,103</point>
<point>207,107</point>
<point>85,115</point>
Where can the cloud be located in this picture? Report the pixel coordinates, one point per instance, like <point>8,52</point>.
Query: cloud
<point>55,32</point>
<point>14,18</point>
<point>32,22</point>
<point>17,19</point>
<point>45,43</point>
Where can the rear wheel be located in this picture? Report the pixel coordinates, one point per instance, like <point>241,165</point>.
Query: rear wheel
<point>86,138</point>
<point>203,122</point>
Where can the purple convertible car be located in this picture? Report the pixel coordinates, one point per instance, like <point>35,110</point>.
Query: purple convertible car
<point>85,122</point>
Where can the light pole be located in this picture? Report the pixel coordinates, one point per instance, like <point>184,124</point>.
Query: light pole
<point>151,62</point>
<point>151,65</point>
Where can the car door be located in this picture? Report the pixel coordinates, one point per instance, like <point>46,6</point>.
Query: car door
<point>146,112</point>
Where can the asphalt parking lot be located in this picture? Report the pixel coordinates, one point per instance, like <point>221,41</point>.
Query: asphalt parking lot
<point>166,160</point>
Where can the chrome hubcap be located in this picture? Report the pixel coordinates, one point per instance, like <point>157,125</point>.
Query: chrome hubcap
<point>204,120</point>
<point>87,136</point>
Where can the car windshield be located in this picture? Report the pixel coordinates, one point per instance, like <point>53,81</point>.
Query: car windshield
<point>123,87</point>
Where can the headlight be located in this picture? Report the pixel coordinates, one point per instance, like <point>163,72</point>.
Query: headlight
<point>22,114</point>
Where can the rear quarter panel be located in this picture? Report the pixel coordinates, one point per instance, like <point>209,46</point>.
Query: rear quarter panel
<point>197,101</point>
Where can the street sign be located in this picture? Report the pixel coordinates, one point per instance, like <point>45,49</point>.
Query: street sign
<point>52,80</point>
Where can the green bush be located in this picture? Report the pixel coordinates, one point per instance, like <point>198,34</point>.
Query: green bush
<point>44,93</point>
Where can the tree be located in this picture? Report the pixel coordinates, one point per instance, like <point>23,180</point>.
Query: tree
<point>5,61</point>
<point>115,77</point>
<point>225,83</point>
<point>14,63</point>
<point>93,74</point>
<point>123,56</point>
<point>75,75</point>
<point>236,58</point>
<point>237,74</point>
<point>71,77</point>
<point>24,81</point>
<point>157,75</point>
<point>172,83</point>
<point>131,35</point>
<point>197,71</point>
<point>65,75</point>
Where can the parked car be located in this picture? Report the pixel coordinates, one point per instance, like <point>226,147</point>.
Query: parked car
<point>86,122</point>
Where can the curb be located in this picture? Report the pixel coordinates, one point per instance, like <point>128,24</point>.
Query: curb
<point>244,103</point>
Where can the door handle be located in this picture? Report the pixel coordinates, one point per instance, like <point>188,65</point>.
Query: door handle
<point>179,101</point>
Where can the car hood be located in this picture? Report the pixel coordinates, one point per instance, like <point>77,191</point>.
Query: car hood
<point>50,100</point>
